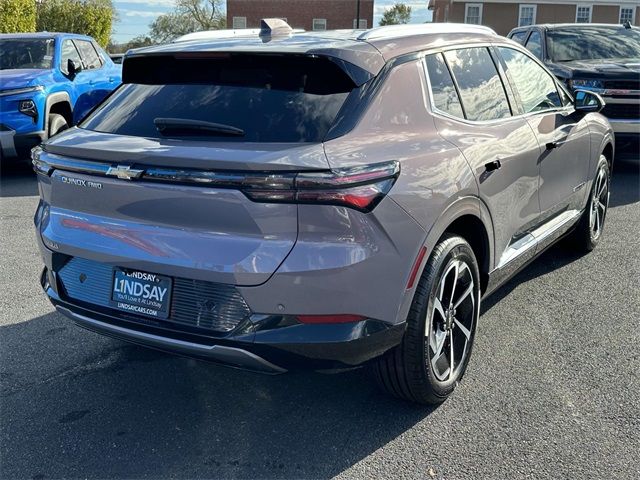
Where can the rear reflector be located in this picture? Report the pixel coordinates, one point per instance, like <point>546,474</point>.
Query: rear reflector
<point>416,268</point>
<point>329,318</point>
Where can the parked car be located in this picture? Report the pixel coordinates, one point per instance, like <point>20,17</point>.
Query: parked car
<point>117,57</point>
<point>47,82</point>
<point>601,58</point>
<point>322,200</point>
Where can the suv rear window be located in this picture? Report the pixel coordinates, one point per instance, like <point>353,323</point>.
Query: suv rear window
<point>271,98</point>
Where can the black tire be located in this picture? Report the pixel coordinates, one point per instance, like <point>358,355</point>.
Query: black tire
<point>409,371</point>
<point>585,237</point>
<point>57,123</point>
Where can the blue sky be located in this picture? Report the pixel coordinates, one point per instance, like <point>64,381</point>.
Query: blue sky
<point>136,15</point>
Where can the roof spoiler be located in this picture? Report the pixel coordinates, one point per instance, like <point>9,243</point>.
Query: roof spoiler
<point>274,27</point>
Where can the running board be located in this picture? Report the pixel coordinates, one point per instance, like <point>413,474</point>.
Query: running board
<point>537,236</point>
<point>522,251</point>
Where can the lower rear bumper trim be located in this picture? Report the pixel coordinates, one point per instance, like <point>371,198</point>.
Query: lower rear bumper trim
<point>230,356</point>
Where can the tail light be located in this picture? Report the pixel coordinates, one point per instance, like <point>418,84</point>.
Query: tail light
<point>361,188</point>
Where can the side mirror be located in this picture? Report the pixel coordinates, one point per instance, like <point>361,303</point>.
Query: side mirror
<point>73,68</point>
<point>588,101</point>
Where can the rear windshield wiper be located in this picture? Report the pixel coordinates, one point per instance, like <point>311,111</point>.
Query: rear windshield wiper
<point>182,126</point>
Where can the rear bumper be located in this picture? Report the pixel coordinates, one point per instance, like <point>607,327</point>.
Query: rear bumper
<point>625,126</point>
<point>14,145</point>
<point>264,350</point>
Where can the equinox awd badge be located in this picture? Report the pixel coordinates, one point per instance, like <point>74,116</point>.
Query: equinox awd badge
<point>80,182</point>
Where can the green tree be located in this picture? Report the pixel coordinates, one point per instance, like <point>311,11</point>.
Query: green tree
<point>399,13</point>
<point>136,42</point>
<point>88,17</point>
<point>189,16</point>
<point>17,16</point>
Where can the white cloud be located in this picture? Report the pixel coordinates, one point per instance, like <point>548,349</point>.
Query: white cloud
<point>141,13</point>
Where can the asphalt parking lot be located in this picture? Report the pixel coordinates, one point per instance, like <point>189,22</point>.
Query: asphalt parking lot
<point>553,389</point>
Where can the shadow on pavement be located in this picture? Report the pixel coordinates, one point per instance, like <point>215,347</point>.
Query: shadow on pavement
<point>17,180</point>
<point>625,183</point>
<point>122,411</point>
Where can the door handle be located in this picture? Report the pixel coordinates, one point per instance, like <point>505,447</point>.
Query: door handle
<point>491,166</point>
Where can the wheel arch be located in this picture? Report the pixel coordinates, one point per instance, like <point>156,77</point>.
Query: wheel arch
<point>609,151</point>
<point>59,103</point>
<point>469,218</point>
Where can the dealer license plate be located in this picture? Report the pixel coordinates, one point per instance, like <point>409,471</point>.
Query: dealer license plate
<point>141,293</point>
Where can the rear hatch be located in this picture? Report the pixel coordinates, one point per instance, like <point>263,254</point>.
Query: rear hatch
<point>155,178</point>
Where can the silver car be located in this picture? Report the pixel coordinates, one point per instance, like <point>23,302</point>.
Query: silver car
<point>319,200</point>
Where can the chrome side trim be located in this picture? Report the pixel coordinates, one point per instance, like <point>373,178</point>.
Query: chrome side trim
<point>231,356</point>
<point>537,237</point>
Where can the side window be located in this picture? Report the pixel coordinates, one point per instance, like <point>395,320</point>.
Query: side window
<point>102,55</point>
<point>536,88</point>
<point>443,91</point>
<point>69,52</point>
<point>519,37</point>
<point>534,44</point>
<point>481,90</point>
<point>88,54</point>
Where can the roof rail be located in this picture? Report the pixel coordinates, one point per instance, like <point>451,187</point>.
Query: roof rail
<point>397,31</point>
<point>219,34</point>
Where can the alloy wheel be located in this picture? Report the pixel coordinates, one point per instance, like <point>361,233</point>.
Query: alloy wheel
<point>599,204</point>
<point>448,332</point>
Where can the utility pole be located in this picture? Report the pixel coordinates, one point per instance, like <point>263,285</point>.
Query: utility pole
<point>358,14</point>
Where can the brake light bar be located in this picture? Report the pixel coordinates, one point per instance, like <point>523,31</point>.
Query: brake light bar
<point>360,187</point>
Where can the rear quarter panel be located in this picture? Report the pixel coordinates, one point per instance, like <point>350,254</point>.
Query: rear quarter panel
<point>435,185</point>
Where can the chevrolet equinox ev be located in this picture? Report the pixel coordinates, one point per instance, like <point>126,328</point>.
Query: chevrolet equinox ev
<point>320,200</point>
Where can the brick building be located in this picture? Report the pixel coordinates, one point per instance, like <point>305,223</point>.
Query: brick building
<point>307,14</point>
<point>503,15</point>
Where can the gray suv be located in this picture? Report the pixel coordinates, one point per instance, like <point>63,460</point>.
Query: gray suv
<point>324,200</point>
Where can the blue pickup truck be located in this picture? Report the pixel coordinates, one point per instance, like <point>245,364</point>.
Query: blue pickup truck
<point>48,81</point>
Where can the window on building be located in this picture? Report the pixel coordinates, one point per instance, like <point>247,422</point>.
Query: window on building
<point>534,44</point>
<point>536,88</point>
<point>583,14</point>
<point>319,24</point>
<point>363,23</point>
<point>626,14</point>
<point>473,13</point>
<point>443,91</point>
<point>239,22</point>
<point>481,89</point>
<point>527,15</point>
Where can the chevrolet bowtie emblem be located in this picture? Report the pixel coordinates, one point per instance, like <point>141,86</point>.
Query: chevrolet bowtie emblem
<point>124,172</point>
